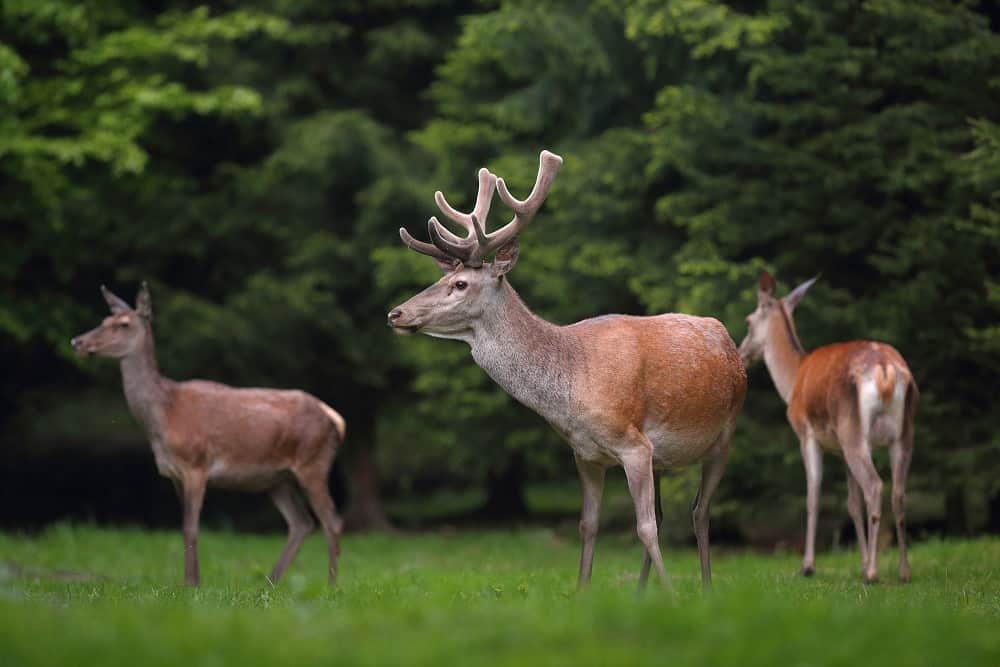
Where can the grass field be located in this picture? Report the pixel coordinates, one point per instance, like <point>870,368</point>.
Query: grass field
<point>82,595</point>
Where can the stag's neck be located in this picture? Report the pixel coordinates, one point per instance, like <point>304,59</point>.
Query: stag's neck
<point>146,391</point>
<point>783,354</point>
<point>533,360</point>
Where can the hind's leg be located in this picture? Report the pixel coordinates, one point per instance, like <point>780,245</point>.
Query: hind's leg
<point>300,524</point>
<point>812,458</point>
<point>899,454</point>
<point>856,508</point>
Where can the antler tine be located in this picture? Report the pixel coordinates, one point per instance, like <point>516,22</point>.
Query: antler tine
<point>477,245</point>
<point>524,211</point>
<point>441,238</point>
<point>484,197</point>
<point>423,248</point>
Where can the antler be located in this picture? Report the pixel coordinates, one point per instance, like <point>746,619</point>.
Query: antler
<point>477,245</point>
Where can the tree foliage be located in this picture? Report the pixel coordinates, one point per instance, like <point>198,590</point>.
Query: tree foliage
<point>254,164</point>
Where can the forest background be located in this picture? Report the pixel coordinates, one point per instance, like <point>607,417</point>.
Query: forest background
<point>253,162</point>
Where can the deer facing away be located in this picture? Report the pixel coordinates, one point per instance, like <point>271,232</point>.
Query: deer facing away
<point>205,433</point>
<point>645,393</point>
<point>845,399</point>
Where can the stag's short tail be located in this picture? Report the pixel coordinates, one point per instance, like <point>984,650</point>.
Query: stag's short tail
<point>338,421</point>
<point>885,381</point>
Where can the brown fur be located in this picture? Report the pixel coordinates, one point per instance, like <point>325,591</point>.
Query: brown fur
<point>205,433</point>
<point>831,407</point>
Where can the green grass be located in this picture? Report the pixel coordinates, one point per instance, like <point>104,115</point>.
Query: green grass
<point>82,595</point>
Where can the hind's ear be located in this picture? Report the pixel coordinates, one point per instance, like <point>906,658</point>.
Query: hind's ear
<point>143,302</point>
<point>115,303</point>
<point>765,289</point>
<point>796,294</point>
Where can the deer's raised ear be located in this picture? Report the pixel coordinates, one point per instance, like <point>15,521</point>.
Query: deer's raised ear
<point>505,259</point>
<point>448,265</point>
<point>115,303</point>
<point>796,294</point>
<point>765,284</point>
<point>143,302</point>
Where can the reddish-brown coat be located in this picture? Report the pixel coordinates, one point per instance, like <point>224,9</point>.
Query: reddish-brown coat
<point>827,380</point>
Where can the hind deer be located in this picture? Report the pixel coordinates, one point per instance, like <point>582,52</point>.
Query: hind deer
<point>845,399</point>
<point>204,433</point>
<point>645,393</point>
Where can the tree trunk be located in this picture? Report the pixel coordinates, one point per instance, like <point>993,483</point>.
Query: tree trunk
<point>994,518</point>
<point>505,492</point>
<point>956,517</point>
<point>364,510</point>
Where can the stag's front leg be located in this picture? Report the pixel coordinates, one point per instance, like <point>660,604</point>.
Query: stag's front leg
<point>592,483</point>
<point>638,465</point>
<point>194,495</point>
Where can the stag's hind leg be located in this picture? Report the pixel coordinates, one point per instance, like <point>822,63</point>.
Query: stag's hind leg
<point>658,507</point>
<point>712,469</point>
<point>638,465</point>
<point>300,523</point>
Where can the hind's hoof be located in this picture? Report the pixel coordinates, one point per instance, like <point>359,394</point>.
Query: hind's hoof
<point>807,571</point>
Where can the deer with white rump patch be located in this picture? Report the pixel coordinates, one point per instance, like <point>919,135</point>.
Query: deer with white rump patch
<point>843,398</point>
<point>645,393</point>
<point>204,433</point>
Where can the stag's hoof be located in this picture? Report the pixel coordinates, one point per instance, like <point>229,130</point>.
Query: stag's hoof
<point>807,571</point>
<point>904,577</point>
<point>870,579</point>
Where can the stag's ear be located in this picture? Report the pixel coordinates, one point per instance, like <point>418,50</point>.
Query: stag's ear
<point>448,265</point>
<point>143,302</point>
<point>796,294</point>
<point>505,259</point>
<point>115,303</point>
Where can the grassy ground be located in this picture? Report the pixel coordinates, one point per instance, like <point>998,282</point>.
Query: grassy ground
<point>82,595</point>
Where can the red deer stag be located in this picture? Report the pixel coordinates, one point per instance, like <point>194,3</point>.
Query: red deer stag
<point>843,398</point>
<point>645,393</point>
<point>282,442</point>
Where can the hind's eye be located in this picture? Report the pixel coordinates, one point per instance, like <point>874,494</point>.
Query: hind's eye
<point>122,325</point>
<point>461,285</point>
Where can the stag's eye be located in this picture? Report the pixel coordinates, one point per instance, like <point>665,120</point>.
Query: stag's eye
<point>121,325</point>
<point>461,285</point>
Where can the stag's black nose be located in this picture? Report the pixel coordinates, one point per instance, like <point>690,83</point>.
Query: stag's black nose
<point>394,315</point>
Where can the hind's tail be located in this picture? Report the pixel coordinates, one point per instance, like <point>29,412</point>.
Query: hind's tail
<point>338,421</point>
<point>885,381</point>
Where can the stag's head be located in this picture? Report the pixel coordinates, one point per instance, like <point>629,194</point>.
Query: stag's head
<point>771,312</point>
<point>121,333</point>
<point>474,266</point>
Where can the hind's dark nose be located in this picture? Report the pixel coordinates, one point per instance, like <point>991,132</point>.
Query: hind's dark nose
<point>74,342</point>
<point>394,315</point>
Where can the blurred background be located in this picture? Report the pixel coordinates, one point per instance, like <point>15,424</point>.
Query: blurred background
<point>254,160</point>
